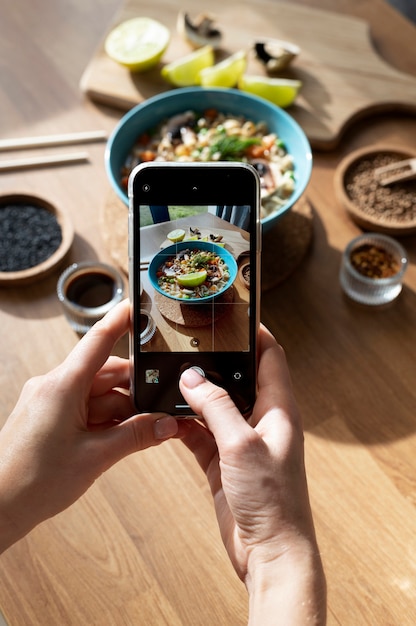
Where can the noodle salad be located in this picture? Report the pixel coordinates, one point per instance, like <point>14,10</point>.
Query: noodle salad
<point>193,273</point>
<point>215,136</point>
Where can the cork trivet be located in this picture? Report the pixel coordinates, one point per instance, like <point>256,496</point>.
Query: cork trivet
<point>114,230</point>
<point>194,314</point>
<point>284,246</point>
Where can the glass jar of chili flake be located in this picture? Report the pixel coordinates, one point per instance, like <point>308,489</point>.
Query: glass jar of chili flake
<point>372,269</point>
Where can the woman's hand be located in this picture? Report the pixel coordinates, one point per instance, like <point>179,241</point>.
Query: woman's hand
<point>68,427</point>
<point>257,478</point>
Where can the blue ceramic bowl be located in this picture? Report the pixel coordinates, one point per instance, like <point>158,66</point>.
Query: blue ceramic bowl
<point>157,261</point>
<point>229,101</point>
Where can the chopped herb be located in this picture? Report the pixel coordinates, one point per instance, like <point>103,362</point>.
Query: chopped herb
<point>231,147</point>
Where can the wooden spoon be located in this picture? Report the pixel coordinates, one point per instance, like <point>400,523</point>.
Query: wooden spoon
<point>395,172</point>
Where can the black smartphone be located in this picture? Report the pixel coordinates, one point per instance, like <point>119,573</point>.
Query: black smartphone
<point>194,278</point>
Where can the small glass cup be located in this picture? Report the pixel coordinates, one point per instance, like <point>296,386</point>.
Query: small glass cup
<point>87,291</point>
<point>147,327</point>
<point>365,289</point>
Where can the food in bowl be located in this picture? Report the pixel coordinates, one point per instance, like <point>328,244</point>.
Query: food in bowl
<point>193,274</point>
<point>192,271</point>
<point>216,136</point>
<point>235,102</point>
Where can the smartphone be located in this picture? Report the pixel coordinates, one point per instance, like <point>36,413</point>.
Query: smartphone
<point>194,279</point>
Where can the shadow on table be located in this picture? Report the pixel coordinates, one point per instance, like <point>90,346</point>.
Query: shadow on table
<point>347,361</point>
<point>39,299</point>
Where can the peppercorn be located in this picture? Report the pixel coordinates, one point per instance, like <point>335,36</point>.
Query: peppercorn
<point>28,236</point>
<point>374,262</point>
<point>395,203</point>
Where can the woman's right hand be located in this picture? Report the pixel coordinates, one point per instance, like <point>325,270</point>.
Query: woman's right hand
<point>257,477</point>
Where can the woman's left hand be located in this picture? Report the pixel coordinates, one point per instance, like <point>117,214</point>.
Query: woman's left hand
<point>68,427</point>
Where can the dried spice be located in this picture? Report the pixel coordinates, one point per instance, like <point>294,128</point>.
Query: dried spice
<point>374,262</point>
<point>246,273</point>
<point>393,203</point>
<point>28,236</point>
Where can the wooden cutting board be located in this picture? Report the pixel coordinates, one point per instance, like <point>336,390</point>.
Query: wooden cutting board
<point>343,77</point>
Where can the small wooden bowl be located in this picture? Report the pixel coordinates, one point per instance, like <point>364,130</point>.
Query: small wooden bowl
<point>242,274</point>
<point>37,272</point>
<point>368,217</point>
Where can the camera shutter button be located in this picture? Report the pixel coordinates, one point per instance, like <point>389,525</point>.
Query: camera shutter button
<point>198,369</point>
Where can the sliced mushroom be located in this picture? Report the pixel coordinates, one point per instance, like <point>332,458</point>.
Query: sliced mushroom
<point>267,181</point>
<point>199,32</point>
<point>177,123</point>
<point>195,232</point>
<point>276,54</point>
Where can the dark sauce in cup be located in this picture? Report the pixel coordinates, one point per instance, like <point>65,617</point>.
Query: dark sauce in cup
<point>91,289</point>
<point>87,291</point>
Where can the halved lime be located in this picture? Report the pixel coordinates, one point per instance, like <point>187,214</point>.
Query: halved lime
<point>138,43</point>
<point>280,91</point>
<point>192,280</point>
<point>227,73</point>
<point>176,235</point>
<point>186,71</point>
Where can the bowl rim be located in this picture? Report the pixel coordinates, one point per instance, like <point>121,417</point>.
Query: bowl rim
<point>233,92</point>
<point>359,216</point>
<point>181,245</point>
<point>43,269</point>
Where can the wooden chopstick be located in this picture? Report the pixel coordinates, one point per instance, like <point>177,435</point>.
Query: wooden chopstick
<point>41,161</point>
<point>52,140</point>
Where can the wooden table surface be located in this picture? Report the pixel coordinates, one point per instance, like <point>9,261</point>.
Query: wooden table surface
<point>142,546</point>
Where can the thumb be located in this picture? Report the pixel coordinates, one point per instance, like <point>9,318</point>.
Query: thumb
<point>136,433</point>
<point>213,404</point>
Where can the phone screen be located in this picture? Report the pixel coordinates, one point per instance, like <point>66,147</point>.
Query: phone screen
<point>194,258</point>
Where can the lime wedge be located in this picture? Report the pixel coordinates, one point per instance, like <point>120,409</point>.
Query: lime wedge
<point>192,280</point>
<point>280,91</point>
<point>227,73</point>
<point>138,43</point>
<point>186,70</point>
<point>176,235</point>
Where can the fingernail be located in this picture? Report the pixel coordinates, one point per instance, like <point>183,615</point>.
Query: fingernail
<point>165,427</point>
<point>192,378</point>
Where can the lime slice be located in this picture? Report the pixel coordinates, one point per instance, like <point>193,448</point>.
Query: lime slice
<point>280,91</point>
<point>138,43</point>
<point>186,70</point>
<point>176,235</point>
<point>227,73</point>
<point>192,280</point>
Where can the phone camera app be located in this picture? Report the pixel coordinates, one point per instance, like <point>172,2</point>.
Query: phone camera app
<point>191,257</point>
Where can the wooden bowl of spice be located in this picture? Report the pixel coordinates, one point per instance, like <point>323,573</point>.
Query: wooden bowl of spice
<point>35,237</point>
<point>389,209</point>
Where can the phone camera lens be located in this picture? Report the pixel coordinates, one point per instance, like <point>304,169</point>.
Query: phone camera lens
<point>146,187</point>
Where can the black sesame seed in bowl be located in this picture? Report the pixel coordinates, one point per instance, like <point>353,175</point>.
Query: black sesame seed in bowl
<point>389,209</point>
<point>35,237</point>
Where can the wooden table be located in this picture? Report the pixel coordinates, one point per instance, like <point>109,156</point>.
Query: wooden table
<point>142,546</point>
